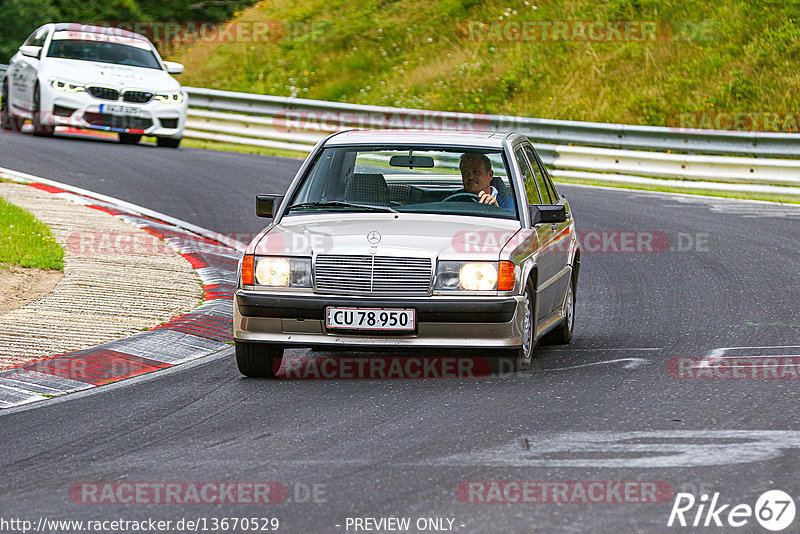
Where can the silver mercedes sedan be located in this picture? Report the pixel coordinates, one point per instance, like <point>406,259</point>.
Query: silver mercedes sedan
<point>410,240</point>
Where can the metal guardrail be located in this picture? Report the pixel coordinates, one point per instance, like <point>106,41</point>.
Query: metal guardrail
<point>584,150</point>
<point>557,132</point>
<point>297,124</point>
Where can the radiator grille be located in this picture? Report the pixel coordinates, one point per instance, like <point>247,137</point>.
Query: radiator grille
<point>138,97</point>
<point>367,275</point>
<point>104,93</point>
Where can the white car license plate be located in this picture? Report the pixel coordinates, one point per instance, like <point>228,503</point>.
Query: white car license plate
<point>120,110</point>
<point>370,318</point>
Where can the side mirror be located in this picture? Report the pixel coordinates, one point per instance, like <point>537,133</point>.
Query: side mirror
<point>267,205</point>
<point>173,68</point>
<point>31,51</point>
<point>547,213</point>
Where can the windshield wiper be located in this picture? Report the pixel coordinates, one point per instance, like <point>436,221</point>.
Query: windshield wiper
<point>341,203</point>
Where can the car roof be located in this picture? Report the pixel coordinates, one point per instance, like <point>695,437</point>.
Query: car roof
<point>418,137</point>
<point>88,28</point>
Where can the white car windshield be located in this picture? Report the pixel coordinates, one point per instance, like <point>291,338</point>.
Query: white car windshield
<point>119,51</point>
<point>416,179</point>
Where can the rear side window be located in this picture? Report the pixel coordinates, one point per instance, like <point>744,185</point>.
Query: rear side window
<point>527,175</point>
<point>547,198</point>
<point>552,188</point>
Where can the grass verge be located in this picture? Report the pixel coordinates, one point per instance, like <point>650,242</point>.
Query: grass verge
<point>232,147</point>
<point>472,56</point>
<point>784,199</point>
<point>27,242</point>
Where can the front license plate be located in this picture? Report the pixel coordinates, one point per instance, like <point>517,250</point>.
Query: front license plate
<point>120,110</point>
<point>370,318</point>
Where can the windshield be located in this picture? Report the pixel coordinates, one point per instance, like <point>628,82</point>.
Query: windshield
<point>418,179</point>
<point>103,49</point>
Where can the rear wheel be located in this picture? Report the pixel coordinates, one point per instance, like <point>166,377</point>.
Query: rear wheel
<point>519,359</point>
<point>258,360</point>
<point>40,129</point>
<point>129,139</point>
<point>7,120</point>
<point>168,142</point>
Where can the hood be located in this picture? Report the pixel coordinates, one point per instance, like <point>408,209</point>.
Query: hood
<point>401,234</point>
<point>109,74</point>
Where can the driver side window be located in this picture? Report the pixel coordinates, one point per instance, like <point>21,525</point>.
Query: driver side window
<point>37,38</point>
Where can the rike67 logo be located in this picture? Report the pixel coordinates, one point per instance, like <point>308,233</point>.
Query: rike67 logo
<point>774,510</point>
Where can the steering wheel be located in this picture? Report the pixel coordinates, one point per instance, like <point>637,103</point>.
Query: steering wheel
<point>462,197</point>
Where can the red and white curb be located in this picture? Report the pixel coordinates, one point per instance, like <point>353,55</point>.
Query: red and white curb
<point>201,332</point>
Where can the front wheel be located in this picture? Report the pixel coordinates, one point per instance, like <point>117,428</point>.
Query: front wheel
<point>7,120</point>
<point>168,142</point>
<point>562,334</point>
<point>519,359</point>
<point>258,360</point>
<point>40,129</point>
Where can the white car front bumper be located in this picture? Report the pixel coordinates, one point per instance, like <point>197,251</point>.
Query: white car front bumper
<point>84,111</point>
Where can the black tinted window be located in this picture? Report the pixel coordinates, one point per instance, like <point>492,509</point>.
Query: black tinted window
<point>103,52</point>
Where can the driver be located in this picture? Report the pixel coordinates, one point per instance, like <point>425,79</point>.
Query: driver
<point>476,175</point>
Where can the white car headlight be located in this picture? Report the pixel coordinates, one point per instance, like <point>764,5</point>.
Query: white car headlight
<point>469,276</point>
<point>67,87</point>
<point>170,98</point>
<point>475,276</point>
<point>283,272</point>
<point>478,276</point>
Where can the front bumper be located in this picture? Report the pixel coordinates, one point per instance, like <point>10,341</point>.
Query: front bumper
<point>83,111</point>
<point>299,320</point>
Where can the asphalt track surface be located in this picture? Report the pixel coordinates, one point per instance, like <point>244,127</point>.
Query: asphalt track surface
<point>602,409</point>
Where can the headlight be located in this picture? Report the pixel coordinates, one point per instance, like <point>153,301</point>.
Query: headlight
<point>475,276</point>
<point>170,98</point>
<point>478,276</point>
<point>67,87</point>
<point>282,272</point>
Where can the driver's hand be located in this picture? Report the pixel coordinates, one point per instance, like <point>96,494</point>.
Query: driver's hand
<point>486,198</point>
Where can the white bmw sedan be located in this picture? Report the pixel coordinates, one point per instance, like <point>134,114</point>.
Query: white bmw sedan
<point>94,78</point>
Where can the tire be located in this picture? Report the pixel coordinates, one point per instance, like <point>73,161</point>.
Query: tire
<point>39,129</point>
<point>258,360</point>
<point>129,139</point>
<point>519,359</point>
<point>168,142</point>
<point>7,120</point>
<point>562,334</point>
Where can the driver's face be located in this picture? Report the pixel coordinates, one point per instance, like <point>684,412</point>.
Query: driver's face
<point>475,176</point>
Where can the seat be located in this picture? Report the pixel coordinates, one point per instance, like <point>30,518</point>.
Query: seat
<point>500,185</point>
<point>370,189</point>
<point>400,193</point>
